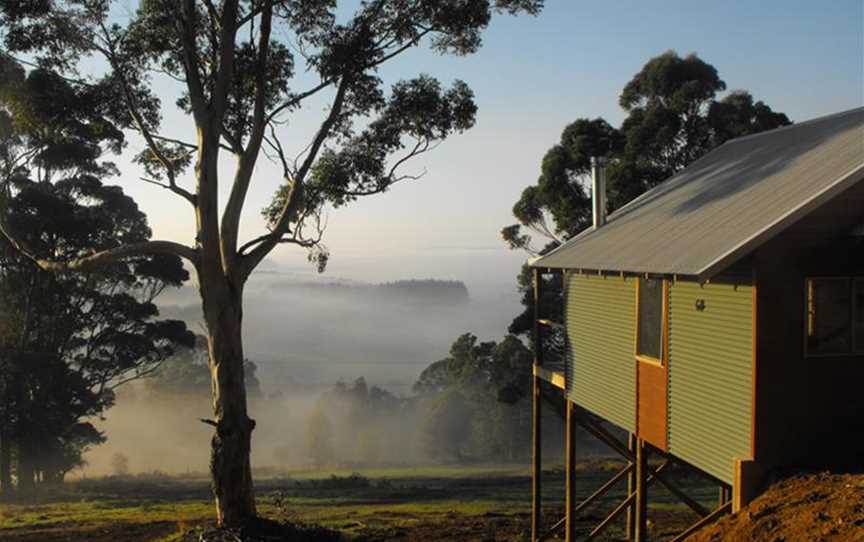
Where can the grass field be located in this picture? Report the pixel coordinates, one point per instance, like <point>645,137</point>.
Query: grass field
<point>436,503</point>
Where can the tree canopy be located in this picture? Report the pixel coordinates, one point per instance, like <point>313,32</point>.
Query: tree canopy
<point>674,116</point>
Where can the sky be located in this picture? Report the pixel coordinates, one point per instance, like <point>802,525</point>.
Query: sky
<point>533,76</point>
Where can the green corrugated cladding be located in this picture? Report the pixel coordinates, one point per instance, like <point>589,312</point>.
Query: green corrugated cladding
<point>710,375</point>
<point>601,372</point>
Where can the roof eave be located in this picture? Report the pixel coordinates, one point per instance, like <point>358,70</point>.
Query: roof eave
<point>756,240</point>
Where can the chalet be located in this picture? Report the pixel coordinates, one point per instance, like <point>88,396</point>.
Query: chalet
<point>718,319</point>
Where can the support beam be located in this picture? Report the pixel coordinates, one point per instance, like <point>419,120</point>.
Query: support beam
<point>537,462</point>
<point>707,520</point>
<point>554,529</point>
<point>570,468</point>
<point>641,493</point>
<point>683,497</point>
<point>604,488</point>
<point>602,434</point>
<point>536,465</point>
<point>631,487</point>
<point>598,530</point>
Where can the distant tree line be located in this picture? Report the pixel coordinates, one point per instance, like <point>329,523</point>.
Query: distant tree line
<point>419,290</point>
<point>67,340</point>
<point>430,290</point>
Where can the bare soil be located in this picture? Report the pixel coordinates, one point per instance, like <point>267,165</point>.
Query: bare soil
<point>807,508</point>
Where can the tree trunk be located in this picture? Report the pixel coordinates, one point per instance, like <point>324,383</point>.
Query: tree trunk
<point>26,468</point>
<point>5,463</point>
<point>230,464</point>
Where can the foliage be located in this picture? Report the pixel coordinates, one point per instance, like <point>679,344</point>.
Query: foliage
<point>465,413</point>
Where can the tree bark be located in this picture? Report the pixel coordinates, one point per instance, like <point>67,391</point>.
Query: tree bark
<point>230,463</point>
<point>5,463</point>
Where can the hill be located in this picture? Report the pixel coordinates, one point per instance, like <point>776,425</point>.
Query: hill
<point>824,507</point>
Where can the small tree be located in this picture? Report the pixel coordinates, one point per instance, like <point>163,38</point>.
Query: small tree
<point>120,464</point>
<point>237,63</point>
<point>319,438</point>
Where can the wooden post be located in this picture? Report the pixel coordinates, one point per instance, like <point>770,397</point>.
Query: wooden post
<point>536,440</point>
<point>641,505</point>
<point>747,478</point>
<point>570,510</point>
<point>631,487</point>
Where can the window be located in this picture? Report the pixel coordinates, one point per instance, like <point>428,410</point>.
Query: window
<point>649,342</point>
<point>835,316</point>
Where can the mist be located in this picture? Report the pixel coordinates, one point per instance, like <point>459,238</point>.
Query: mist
<point>306,334</point>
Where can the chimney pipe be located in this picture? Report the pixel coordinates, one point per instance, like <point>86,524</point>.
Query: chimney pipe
<point>598,190</point>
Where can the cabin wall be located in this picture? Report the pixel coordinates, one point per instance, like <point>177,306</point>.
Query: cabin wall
<point>810,410</point>
<point>601,371</point>
<point>711,374</point>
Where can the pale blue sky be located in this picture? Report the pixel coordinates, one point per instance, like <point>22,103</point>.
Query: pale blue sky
<point>532,77</point>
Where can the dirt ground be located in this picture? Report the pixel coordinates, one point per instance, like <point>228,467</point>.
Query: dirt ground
<point>808,508</point>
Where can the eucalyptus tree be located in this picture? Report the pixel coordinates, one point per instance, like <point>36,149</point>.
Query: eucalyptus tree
<point>240,66</point>
<point>673,117</point>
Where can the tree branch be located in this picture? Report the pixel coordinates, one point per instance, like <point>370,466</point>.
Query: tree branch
<point>295,193</point>
<point>190,63</point>
<point>185,144</point>
<point>422,146</point>
<point>104,257</point>
<point>254,12</point>
<point>225,75</point>
<point>246,165</point>
<point>140,124</point>
<point>295,100</point>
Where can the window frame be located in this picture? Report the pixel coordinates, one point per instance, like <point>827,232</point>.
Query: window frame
<point>664,323</point>
<point>855,350</point>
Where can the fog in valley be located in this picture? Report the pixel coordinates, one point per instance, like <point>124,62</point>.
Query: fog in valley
<point>335,362</point>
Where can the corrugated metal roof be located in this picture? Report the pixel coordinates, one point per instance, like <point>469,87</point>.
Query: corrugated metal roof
<point>725,204</point>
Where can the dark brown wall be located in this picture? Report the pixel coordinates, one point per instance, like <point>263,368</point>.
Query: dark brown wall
<point>809,411</point>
